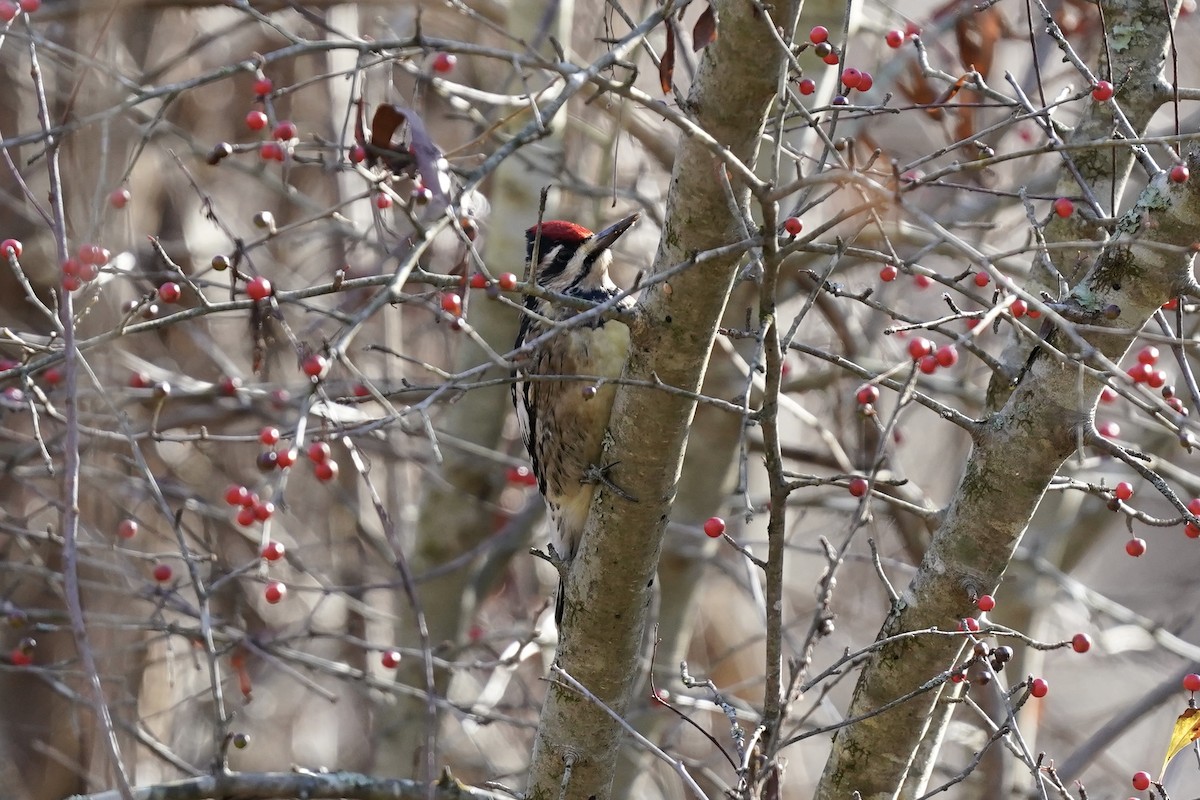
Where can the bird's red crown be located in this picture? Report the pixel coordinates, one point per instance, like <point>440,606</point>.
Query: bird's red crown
<point>559,230</point>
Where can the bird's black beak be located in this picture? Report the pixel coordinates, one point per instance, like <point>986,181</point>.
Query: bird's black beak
<point>607,237</point>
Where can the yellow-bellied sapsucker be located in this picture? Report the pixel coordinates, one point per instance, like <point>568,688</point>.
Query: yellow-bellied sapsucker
<point>563,420</point>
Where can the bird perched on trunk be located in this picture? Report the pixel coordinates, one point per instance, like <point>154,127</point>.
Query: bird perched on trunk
<point>563,420</point>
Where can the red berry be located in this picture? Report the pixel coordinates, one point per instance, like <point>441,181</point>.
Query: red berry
<point>285,458</point>
<point>358,154</point>
<point>315,365</point>
<point>264,511</point>
<point>127,529</point>
<point>1191,531</point>
<point>162,572</point>
<point>1123,490</point>
<point>383,201</point>
<point>479,281</point>
<point>236,495</point>
<point>928,364</point>
<point>894,38</point>
<point>1141,781</point>
<point>1177,404</point>
<point>229,386</point>
<point>506,281</point>
<point>866,394</point>
<point>245,516</point>
<point>818,34</point>
<point>452,303</point>
<point>285,131</point>
<point>1139,373</point>
<point>922,281</point>
<point>268,435</point>
<point>93,254</point>
<point>969,624</point>
<point>271,151</point>
<point>258,288</point>
<point>1171,304</point>
<point>30,6</point>
<point>1135,547</point>
<point>169,292</point>
<point>1148,355</point>
<point>865,81</point>
<point>1194,506</point>
<point>1108,395</point>
<point>274,592</point>
<point>911,29</point>
<point>1156,379</point>
<point>888,273</point>
<point>808,86</point>
<point>318,452</point>
<point>858,486</point>
<point>1081,643</point>
<point>139,380</point>
<point>390,659</point>
<point>53,376</point>
<point>18,657</point>
<point>1064,207</point>
<point>521,476</point>
<point>1038,687</point>
<point>273,550</point>
<point>919,348</point>
<point>851,77</point>
<point>1102,92</point>
<point>1179,173</point>
<point>793,226</point>
<point>831,59</point>
<point>256,120</point>
<point>714,527</point>
<point>985,603</point>
<point>1109,430</point>
<point>11,248</point>
<point>444,63</point>
<point>263,86</point>
<point>119,198</point>
<point>8,11</point>
<point>1191,682</point>
<point>326,470</point>
<point>946,355</point>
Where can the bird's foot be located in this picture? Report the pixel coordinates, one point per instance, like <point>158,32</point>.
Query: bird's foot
<point>554,559</point>
<point>599,475</point>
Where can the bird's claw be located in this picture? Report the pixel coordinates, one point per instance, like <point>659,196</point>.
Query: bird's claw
<point>598,474</point>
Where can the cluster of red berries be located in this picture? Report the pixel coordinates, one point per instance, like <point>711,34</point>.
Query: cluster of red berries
<point>83,267</point>
<point>1144,372</point>
<point>929,357</point>
<point>324,467</point>
<point>251,508</point>
<point>283,135</point>
<point>9,10</point>
<point>896,38</point>
<point>505,281</point>
<point>1193,531</point>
